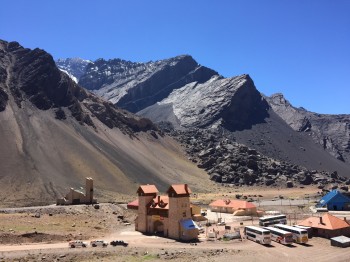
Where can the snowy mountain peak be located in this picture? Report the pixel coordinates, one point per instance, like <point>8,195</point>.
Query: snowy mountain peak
<point>74,67</point>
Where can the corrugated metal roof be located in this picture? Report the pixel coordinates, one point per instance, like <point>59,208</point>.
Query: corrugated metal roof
<point>331,195</point>
<point>188,224</point>
<point>341,239</point>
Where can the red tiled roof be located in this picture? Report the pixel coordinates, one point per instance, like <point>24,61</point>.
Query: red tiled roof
<point>164,200</point>
<point>235,204</point>
<point>181,189</point>
<point>133,205</point>
<point>328,222</point>
<point>148,189</point>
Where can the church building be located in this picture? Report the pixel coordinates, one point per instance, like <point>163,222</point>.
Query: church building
<point>168,215</point>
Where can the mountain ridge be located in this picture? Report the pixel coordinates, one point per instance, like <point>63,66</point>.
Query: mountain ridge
<point>216,103</point>
<point>55,133</point>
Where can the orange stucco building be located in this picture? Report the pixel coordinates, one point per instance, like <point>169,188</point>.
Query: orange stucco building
<point>236,207</point>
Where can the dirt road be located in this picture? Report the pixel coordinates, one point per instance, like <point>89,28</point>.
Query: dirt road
<point>317,249</point>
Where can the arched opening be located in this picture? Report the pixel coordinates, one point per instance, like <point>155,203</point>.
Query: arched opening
<point>158,227</point>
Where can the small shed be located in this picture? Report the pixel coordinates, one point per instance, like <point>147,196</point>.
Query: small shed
<point>340,241</point>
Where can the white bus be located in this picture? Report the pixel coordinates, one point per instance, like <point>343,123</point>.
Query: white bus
<point>308,229</point>
<point>280,236</point>
<point>257,234</point>
<point>299,235</point>
<point>266,221</point>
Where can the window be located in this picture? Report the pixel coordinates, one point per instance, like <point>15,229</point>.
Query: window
<point>184,214</point>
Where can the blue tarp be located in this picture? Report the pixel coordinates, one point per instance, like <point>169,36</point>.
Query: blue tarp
<point>188,224</point>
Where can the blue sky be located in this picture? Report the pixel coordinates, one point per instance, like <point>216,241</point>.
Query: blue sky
<point>300,48</point>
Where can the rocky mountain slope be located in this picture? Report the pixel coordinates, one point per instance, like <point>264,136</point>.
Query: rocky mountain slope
<point>134,86</point>
<point>54,134</point>
<point>171,93</point>
<point>228,128</point>
<point>233,103</point>
<point>332,132</point>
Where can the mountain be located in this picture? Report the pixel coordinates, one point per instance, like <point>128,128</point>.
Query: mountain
<point>54,134</point>
<point>184,97</point>
<point>332,132</point>
<point>74,67</point>
<point>134,86</point>
<point>233,110</point>
<point>233,103</point>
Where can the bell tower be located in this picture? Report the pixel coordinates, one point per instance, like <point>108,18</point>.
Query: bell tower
<point>145,195</point>
<point>89,190</point>
<point>179,208</point>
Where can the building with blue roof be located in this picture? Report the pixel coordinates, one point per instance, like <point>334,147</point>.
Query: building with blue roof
<point>334,200</point>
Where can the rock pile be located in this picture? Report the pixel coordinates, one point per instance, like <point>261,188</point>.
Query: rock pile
<point>227,161</point>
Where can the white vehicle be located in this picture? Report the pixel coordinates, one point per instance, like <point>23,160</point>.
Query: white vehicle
<point>280,236</point>
<point>308,229</point>
<point>299,235</point>
<point>266,221</point>
<point>77,243</point>
<point>257,234</point>
<point>98,243</point>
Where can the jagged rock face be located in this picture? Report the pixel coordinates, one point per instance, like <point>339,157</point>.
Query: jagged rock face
<point>74,67</point>
<point>32,75</point>
<point>233,103</point>
<point>332,132</point>
<point>35,76</point>
<point>135,86</point>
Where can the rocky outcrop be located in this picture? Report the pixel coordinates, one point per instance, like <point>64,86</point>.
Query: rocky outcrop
<point>233,103</point>
<point>332,132</point>
<point>135,86</point>
<point>3,99</point>
<point>4,60</point>
<point>32,75</point>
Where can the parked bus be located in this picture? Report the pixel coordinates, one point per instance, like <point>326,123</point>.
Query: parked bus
<point>272,220</point>
<point>299,235</point>
<point>257,234</point>
<point>308,229</point>
<point>280,236</point>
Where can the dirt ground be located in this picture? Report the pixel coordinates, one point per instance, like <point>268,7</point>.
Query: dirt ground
<point>60,223</point>
<point>261,193</point>
<point>24,236</point>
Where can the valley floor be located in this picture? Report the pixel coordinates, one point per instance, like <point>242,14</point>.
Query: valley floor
<point>42,234</point>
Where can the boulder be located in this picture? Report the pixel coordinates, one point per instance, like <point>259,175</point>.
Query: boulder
<point>269,182</point>
<point>215,177</point>
<point>289,184</point>
<point>345,188</point>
